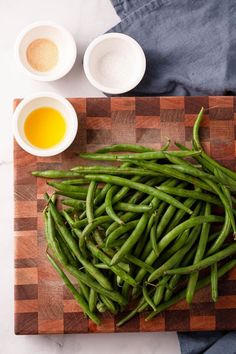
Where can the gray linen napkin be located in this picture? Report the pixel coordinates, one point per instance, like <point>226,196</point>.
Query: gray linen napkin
<point>190,45</point>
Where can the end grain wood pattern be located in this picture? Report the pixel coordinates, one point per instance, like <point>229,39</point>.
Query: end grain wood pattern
<point>42,304</point>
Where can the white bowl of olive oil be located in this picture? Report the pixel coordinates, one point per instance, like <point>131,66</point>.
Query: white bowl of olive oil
<point>45,124</point>
<point>45,51</point>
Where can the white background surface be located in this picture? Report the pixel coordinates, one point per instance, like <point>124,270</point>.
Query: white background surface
<point>85,19</point>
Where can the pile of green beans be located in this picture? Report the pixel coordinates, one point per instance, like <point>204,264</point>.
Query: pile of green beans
<point>142,230</point>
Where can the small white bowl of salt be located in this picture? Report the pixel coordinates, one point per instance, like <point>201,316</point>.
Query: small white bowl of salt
<point>45,51</point>
<point>114,63</point>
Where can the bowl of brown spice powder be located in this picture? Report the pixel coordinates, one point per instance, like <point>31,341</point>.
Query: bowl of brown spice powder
<point>45,51</point>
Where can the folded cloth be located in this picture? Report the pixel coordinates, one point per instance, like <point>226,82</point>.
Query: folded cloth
<point>190,45</point>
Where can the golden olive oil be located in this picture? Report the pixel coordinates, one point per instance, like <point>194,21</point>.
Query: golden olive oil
<point>45,127</point>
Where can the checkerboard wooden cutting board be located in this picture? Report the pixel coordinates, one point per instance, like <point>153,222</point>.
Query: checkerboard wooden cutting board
<point>42,304</point>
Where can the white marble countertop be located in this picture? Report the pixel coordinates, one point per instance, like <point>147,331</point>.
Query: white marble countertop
<point>85,19</point>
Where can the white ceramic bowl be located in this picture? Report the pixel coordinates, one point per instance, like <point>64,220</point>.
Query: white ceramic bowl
<point>45,99</point>
<point>114,63</point>
<point>57,34</point>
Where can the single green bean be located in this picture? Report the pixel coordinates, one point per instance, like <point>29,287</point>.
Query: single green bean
<point>76,181</point>
<point>92,300</point>
<point>73,195</point>
<point>89,201</point>
<point>55,174</point>
<point>192,281</point>
<point>214,282</point>
<point>77,204</point>
<point>131,171</point>
<point>138,156</point>
<point>148,298</point>
<point>68,188</point>
<point>109,208</point>
<point>139,263</point>
<point>132,207</point>
<point>222,236</point>
<point>124,147</point>
<point>160,289</point>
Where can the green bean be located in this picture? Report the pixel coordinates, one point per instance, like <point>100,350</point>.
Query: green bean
<point>120,231</point>
<point>89,201</point>
<point>66,251</point>
<point>77,204</point>
<point>198,256</point>
<point>125,218</point>
<point>181,240</point>
<point>91,227</point>
<point>153,237</point>
<point>147,298</point>
<point>102,194</point>
<point>159,292</point>
<point>55,174</point>
<point>109,304</point>
<point>176,277</point>
<point>114,171</point>
<point>197,220</point>
<point>124,147</point>
<point>101,307</point>
<point>92,283</point>
<point>180,214</point>
<point>80,299</point>
<point>141,305</point>
<point>115,268</point>
<point>196,141</point>
<point>206,262</point>
<point>75,249</point>
<point>109,208</point>
<point>137,156</point>
<point>189,168</point>
<point>214,282</point>
<point>190,194</point>
<point>133,207</point>
<point>92,300</point>
<point>152,256</point>
<point>143,241</point>
<point>68,188</point>
<point>200,284</point>
<point>52,239</point>
<point>139,263</point>
<point>73,195</point>
<point>208,159</point>
<point>171,172</point>
<point>221,238</point>
<point>225,198</point>
<point>225,179</point>
<point>166,145</point>
<point>173,260</point>
<point>132,240</point>
<point>141,187</point>
<point>75,181</point>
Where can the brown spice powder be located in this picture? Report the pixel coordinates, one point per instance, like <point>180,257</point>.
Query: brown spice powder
<point>42,54</point>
